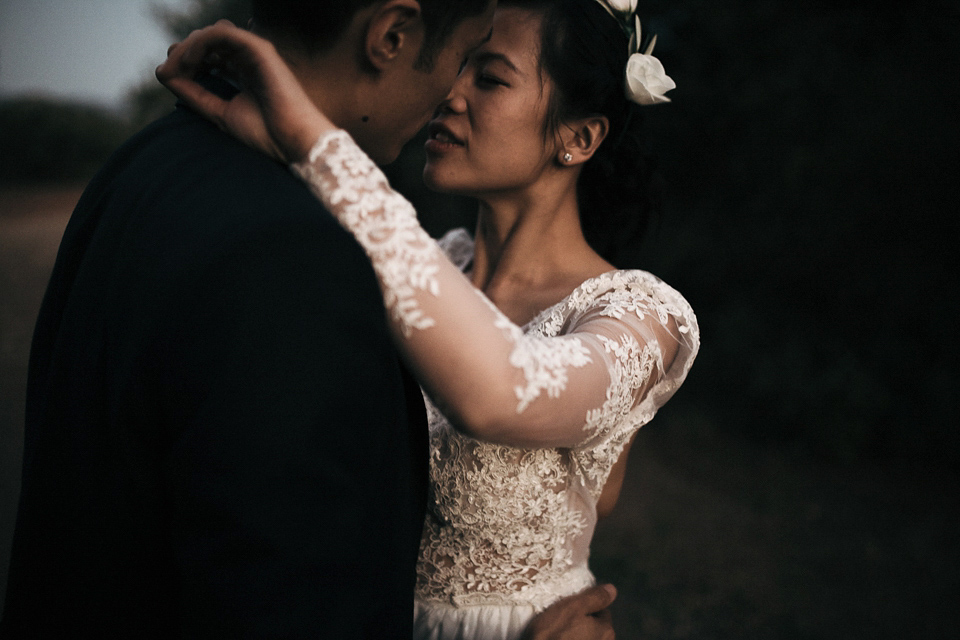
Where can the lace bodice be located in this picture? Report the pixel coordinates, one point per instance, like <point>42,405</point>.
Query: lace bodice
<point>525,423</point>
<point>509,525</point>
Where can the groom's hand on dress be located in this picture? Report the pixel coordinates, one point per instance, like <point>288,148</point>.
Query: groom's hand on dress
<point>584,616</point>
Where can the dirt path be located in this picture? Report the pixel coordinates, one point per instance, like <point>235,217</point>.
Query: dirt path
<point>31,224</point>
<point>718,538</point>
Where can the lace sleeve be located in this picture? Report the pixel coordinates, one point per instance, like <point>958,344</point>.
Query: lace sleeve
<point>493,381</point>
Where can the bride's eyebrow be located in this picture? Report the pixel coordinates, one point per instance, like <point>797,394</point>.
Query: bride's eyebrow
<point>491,56</point>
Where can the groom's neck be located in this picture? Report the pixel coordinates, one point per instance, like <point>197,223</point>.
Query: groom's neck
<point>333,84</point>
<point>332,78</point>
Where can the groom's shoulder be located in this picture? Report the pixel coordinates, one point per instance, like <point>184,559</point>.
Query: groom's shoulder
<point>184,148</point>
<point>181,192</point>
<point>186,167</point>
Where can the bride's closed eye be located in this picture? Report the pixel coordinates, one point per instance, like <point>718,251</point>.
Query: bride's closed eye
<point>487,80</point>
<point>493,70</point>
<point>489,73</point>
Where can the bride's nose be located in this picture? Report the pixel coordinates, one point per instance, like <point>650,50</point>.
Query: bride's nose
<point>456,101</point>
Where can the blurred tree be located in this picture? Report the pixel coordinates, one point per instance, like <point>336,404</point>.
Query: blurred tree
<point>149,100</point>
<point>179,22</point>
<point>821,199</point>
<point>46,140</point>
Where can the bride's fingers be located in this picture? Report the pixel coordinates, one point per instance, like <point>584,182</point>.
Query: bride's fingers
<point>196,47</point>
<point>242,54</point>
<point>219,46</point>
<point>197,98</point>
<point>274,114</point>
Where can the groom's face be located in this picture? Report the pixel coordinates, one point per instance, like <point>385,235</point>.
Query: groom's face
<point>411,94</point>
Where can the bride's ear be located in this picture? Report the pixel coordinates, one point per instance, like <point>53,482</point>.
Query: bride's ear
<point>580,139</point>
<point>394,29</point>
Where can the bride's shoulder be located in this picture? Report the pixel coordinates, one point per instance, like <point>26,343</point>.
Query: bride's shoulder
<point>458,245</point>
<point>633,291</point>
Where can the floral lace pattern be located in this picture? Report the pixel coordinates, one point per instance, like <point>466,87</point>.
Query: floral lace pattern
<point>509,525</point>
<point>384,223</point>
<point>544,363</point>
<point>498,526</point>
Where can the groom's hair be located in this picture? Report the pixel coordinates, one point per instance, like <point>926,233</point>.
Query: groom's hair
<point>316,24</point>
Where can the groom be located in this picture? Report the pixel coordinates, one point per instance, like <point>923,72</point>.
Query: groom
<point>221,440</point>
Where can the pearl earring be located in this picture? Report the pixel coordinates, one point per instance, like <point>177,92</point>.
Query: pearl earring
<point>567,157</point>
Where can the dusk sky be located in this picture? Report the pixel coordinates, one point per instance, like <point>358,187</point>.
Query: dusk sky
<point>88,50</point>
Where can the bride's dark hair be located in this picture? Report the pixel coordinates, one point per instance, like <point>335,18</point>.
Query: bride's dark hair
<point>584,51</point>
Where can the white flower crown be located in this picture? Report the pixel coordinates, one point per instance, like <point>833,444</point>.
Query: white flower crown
<point>646,80</point>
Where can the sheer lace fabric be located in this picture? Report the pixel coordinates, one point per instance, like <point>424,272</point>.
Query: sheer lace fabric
<point>510,525</point>
<point>383,222</point>
<point>510,518</point>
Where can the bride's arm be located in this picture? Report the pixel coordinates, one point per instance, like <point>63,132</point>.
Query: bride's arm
<point>493,381</point>
<point>490,379</point>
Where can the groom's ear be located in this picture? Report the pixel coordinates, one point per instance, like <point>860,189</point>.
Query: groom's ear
<point>395,31</point>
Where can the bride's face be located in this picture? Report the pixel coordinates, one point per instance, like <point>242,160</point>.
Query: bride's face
<point>487,137</point>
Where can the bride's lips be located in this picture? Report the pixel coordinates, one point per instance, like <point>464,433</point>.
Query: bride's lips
<point>440,138</point>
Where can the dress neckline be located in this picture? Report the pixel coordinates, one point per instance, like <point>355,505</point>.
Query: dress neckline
<point>546,311</point>
<point>461,235</point>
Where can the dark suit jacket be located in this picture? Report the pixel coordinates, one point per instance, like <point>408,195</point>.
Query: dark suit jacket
<point>220,439</point>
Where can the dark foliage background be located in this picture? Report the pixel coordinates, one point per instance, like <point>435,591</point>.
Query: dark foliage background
<point>810,155</point>
<point>813,155</point>
<point>45,140</point>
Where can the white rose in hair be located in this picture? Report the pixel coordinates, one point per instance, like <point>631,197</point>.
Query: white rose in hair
<point>626,7</point>
<point>647,81</point>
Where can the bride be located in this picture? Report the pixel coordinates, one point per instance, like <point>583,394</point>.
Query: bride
<point>538,358</point>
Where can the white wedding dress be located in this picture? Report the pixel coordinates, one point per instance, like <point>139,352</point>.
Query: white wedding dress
<point>508,528</point>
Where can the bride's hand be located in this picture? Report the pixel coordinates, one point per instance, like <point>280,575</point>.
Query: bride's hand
<point>271,114</point>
